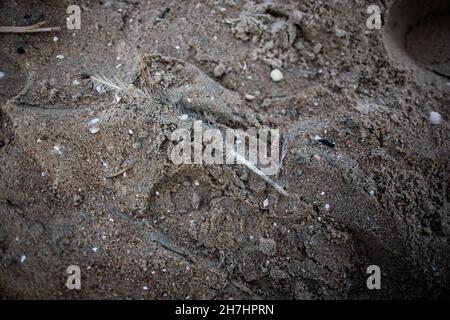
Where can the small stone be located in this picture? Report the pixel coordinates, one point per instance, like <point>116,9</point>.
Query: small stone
<point>57,150</point>
<point>327,206</point>
<point>340,33</point>
<point>55,39</point>
<point>296,16</point>
<point>2,75</point>
<point>266,203</point>
<point>94,249</point>
<point>317,48</point>
<point>130,132</point>
<point>23,258</point>
<point>93,121</point>
<point>60,57</point>
<point>219,70</point>
<point>250,97</point>
<point>94,130</point>
<point>435,117</point>
<point>276,75</point>
<point>145,288</point>
<point>267,246</point>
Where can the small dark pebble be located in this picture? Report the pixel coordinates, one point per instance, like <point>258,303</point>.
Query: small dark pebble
<point>20,50</point>
<point>327,143</point>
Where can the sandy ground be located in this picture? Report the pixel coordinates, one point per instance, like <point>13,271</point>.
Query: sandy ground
<point>378,194</point>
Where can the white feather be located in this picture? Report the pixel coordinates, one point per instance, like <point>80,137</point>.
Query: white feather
<point>252,167</point>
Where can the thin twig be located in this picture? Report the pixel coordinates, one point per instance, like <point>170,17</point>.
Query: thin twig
<point>119,172</point>
<point>29,29</point>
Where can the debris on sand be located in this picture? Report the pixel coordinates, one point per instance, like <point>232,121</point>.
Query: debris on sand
<point>29,29</point>
<point>267,246</point>
<point>219,70</point>
<point>273,30</point>
<point>250,97</point>
<point>276,75</point>
<point>57,150</point>
<point>435,117</point>
<point>93,125</point>
<point>94,130</point>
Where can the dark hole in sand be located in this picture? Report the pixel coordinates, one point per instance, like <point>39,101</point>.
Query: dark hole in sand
<point>417,37</point>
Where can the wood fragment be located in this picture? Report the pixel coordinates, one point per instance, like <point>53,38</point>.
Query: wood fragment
<point>29,29</point>
<point>118,173</point>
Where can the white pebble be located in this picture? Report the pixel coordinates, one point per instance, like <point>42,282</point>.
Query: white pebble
<point>94,130</point>
<point>55,39</point>
<point>340,33</point>
<point>435,117</point>
<point>94,249</point>
<point>93,121</point>
<point>266,203</point>
<point>23,258</point>
<point>76,82</point>
<point>60,57</point>
<point>130,132</point>
<point>2,75</point>
<point>322,193</point>
<point>276,75</point>
<point>250,97</point>
<point>145,288</point>
<point>327,206</point>
<point>57,150</point>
